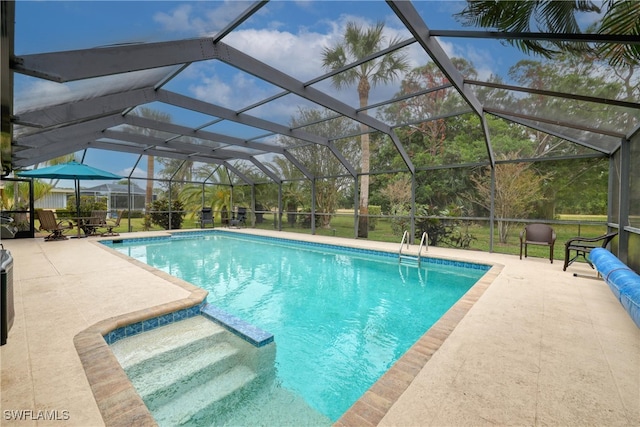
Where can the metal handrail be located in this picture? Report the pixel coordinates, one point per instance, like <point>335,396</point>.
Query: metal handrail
<point>424,242</point>
<point>404,236</point>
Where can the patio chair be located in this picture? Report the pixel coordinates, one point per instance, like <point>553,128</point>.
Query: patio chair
<point>537,234</point>
<point>206,217</point>
<point>240,218</point>
<point>51,225</point>
<point>583,245</point>
<point>98,219</point>
<point>111,225</point>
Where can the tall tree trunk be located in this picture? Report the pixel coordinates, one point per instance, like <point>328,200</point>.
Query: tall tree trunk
<point>148,199</point>
<point>363,218</point>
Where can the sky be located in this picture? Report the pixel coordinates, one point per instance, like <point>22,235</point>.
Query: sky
<point>288,35</point>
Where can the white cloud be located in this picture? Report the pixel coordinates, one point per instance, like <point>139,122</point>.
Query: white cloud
<point>178,20</point>
<point>37,93</point>
<point>200,18</point>
<point>137,173</point>
<point>299,55</point>
<point>212,89</point>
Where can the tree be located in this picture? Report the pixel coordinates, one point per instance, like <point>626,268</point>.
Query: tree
<point>158,116</point>
<point>292,189</point>
<point>621,17</point>
<point>517,188</point>
<point>358,43</point>
<point>320,161</point>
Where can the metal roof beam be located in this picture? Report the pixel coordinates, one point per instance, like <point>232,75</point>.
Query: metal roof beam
<point>183,147</point>
<point>510,114</point>
<point>104,61</point>
<point>347,165</point>
<point>192,104</point>
<point>265,169</point>
<point>265,72</point>
<point>68,133</point>
<point>153,152</point>
<point>564,95</point>
<point>237,172</point>
<point>548,131</point>
<point>206,135</point>
<point>410,17</point>
<point>239,20</point>
<point>83,110</point>
<point>407,13</point>
<point>299,165</point>
<point>34,158</point>
<point>564,37</point>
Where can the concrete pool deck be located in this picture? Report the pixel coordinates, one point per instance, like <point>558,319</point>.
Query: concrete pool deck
<point>539,347</point>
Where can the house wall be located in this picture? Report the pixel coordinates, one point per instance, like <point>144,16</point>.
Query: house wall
<point>52,200</point>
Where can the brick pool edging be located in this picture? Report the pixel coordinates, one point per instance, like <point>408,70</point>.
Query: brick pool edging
<point>117,399</point>
<point>374,404</point>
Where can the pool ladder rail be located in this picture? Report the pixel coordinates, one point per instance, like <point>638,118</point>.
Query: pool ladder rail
<point>424,243</point>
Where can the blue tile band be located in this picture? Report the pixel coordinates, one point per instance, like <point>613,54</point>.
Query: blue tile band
<point>149,324</point>
<point>204,233</point>
<point>244,330</point>
<point>248,332</point>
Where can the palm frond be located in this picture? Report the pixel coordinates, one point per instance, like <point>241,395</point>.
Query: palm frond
<point>548,16</point>
<point>622,18</point>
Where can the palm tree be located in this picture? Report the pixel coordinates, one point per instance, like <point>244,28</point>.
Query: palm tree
<point>358,43</point>
<point>621,17</point>
<point>158,116</point>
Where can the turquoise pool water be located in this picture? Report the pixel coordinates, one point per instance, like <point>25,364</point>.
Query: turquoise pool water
<point>340,318</point>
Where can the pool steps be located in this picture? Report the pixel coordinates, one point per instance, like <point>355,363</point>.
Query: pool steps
<point>156,384</point>
<point>184,369</point>
<point>194,402</point>
<point>154,343</point>
<point>409,259</point>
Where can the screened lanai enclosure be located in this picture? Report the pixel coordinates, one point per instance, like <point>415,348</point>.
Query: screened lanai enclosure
<point>364,119</point>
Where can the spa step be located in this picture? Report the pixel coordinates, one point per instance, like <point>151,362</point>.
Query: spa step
<point>225,391</point>
<point>157,382</point>
<point>164,344</point>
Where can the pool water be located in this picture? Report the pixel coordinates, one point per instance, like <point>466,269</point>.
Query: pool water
<point>340,318</point>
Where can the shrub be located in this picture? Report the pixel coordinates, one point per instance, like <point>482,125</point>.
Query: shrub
<point>159,214</point>
<point>442,231</point>
<point>374,212</point>
<point>87,205</point>
<point>400,220</point>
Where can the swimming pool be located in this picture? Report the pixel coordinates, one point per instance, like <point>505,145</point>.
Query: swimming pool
<point>341,317</point>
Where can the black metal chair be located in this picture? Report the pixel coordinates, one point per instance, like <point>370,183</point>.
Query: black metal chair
<point>240,218</point>
<point>206,217</point>
<point>583,245</point>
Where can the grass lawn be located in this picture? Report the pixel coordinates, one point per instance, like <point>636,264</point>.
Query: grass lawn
<point>342,225</point>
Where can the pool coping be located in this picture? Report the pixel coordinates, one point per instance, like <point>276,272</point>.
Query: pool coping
<point>117,399</point>
<point>121,405</point>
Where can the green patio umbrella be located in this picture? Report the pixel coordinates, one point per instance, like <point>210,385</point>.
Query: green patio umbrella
<point>71,170</point>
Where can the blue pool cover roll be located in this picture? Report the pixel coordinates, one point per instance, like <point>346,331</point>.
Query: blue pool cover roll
<point>623,281</point>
